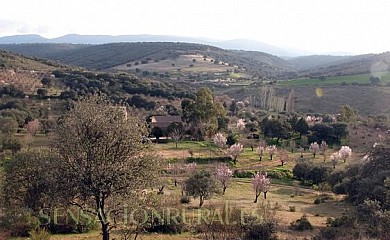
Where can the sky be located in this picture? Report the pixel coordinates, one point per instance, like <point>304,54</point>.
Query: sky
<point>318,26</point>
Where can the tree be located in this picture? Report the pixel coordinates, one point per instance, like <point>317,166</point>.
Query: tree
<point>220,140</point>
<point>203,112</point>
<point>102,158</point>
<point>175,170</point>
<point>28,180</point>
<point>283,156</point>
<point>314,148</point>
<point>235,150</point>
<point>260,184</point>
<point>345,152</point>
<point>334,158</point>
<point>42,93</point>
<point>47,82</point>
<point>375,80</point>
<point>224,175</point>
<point>201,184</point>
<point>275,128</point>
<point>347,114</point>
<point>33,127</point>
<point>12,144</point>
<point>301,127</point>
<point>176,132</point>
<point>260,151</point>
<point>157,132</point>
<point>240,124</point>
<point>323,148</point>
<point>8,125</point>
<point>272,149</point>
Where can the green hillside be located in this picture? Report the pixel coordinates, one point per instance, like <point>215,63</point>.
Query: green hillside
<point>106,56</point>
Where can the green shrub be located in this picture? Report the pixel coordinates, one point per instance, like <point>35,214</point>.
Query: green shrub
<point>279,173</point>
<point>173,225</point>
<point>185,199</point>
<point>205,160</point>
<point>243,174</point>
<point>302,224</point>
<point>18,223</point>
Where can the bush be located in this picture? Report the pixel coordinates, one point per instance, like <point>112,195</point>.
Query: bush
<point>264,231</point>
<point>322,199</point>
<point>185,199</point>
<point>243,174</point>
<point>173,225</point>
<point>205,160</point>
<point>302,224</point>
<point>18,223</point>
<point>280,173</point>
<point>292,209</point>
<point>39,234</point>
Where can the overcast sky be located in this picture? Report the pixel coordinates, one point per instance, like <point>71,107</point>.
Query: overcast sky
<point>320,26</point>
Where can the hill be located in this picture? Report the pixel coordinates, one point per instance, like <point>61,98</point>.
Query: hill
<point>106,56</point>
<point>238,44</point>
<point>24,78</point>
<point>328,66</point>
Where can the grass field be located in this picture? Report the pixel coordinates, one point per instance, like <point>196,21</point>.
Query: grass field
<point>185,63</point>
<point>286,198</point>
<point>352,79</point>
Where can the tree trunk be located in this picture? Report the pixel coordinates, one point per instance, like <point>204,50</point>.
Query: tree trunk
<point>201,201</point>
<point>161,190</point>
<point>282,163</point>
<point>271,157</point>
<point>105,232</point>
<point>260,158</point>
<point>176,143</point>
<point>257,196</point>
<point>265,195</point>
<point>224,189</point>
<point>235,160</point>
<point>175,183</point>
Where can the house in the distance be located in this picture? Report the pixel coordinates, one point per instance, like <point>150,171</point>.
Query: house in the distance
<point>164,121</point>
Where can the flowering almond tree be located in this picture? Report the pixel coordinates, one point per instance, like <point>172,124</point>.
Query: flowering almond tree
<point>235,150</point>
<point>260,150</point>
<point>345,152</point>
<point>33,127</point>
<point>220,140</point>
<point>314,148</point>
<point>261,184</point>
<point>334,158</point>
<point>240,124</point>
<point>283,156</point>
<point>224,175</point>
<point>272,149</point>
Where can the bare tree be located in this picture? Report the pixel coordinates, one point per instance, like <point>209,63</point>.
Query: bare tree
<point>103,158</point>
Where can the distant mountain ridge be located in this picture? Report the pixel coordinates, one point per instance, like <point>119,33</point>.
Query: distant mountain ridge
<point>236,44</point>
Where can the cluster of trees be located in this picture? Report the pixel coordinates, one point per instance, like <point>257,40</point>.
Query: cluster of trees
<point>116,85</point>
